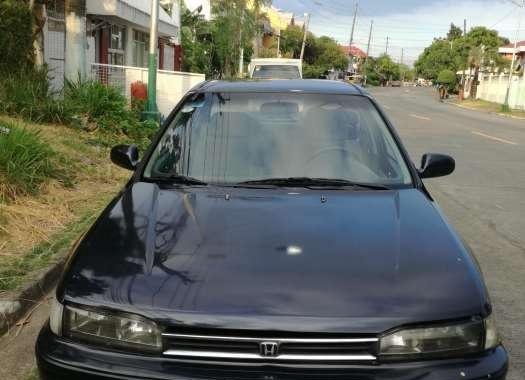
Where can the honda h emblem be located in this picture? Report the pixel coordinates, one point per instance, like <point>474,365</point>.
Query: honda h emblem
<point>269,349</point>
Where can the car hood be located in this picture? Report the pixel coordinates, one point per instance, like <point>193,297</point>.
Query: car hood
<point>276,259</point>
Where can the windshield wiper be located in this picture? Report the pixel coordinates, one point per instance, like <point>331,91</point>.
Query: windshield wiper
<point>177,178</point>
<point>313,182</point>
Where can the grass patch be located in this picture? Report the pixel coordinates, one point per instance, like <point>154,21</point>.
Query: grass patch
<point>26,161</point>
<point>34,227</point>
<point>14,272</point>
<point>27,94</point>
<point>83,104</point>
<point>484,105</point>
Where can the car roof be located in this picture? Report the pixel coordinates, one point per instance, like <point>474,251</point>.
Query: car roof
<point>311,86</point>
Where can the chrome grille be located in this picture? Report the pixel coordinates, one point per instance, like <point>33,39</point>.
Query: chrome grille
<point>259,348</point>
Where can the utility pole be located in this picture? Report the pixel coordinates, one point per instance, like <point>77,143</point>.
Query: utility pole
<point>279,44</point>
<point>387,41</point>
<point>403,70</point>
<point>369,40</point>
<point>463,79</point>
<point>241,47</point>
<point>352,37</point>
<point>306,23</point>
<point>368,50</point>
<point>152,112</point>
<point>505,106</point>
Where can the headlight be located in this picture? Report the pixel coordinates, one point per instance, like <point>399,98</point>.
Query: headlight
<point>491,333</point>
<point>102,328</point>
<point>453,339</point>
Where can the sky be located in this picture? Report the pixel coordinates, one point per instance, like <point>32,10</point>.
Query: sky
<point>410,25</point>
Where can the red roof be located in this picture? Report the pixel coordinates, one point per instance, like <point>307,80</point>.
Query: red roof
<point>520,43</point>
<point>356,52</point>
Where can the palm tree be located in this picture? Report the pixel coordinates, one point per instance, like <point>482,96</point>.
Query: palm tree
<point>257,6</point>
<point>475,60</point>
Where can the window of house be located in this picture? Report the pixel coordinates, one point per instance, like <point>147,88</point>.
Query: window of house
<point>55,9</point>
<point>116,45</point>
<point>140,49</point>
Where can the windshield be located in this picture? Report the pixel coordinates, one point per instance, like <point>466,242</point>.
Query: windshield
<point>276,72</point>
<point>229,138</point>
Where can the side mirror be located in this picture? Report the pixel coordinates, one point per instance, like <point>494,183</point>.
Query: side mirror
<point>125,156</point>
<point>436,165</point>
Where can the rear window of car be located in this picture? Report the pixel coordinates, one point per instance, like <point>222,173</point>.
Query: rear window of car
<point>276,72</point>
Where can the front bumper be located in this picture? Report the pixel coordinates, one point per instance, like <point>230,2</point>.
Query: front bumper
<point>59,359</point>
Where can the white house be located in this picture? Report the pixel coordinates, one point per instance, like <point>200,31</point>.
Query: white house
<point>507,51</point>
<point>114,32</point>
<point>108,40</point>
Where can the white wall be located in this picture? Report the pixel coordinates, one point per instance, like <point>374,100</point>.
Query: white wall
<point>171,85</point>
<point>493,88</point>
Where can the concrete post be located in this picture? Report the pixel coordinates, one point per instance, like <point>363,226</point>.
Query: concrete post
<point>76,43</point>
<point>128,60</point>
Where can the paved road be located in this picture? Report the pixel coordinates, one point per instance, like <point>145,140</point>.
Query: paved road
<point>484,199</point>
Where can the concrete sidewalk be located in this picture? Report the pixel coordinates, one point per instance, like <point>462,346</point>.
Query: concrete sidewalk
<point>18,346</point>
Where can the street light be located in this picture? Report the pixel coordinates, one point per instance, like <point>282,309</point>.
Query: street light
<point>507,95</point>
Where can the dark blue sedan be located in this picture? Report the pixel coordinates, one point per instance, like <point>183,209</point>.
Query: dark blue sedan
<point>273,230</point>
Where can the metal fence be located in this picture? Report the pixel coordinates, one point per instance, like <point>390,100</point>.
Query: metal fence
<point>171,85</point>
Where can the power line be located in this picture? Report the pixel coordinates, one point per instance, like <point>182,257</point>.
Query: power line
<point>512,11</point>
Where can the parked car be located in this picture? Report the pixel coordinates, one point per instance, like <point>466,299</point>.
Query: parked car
<point>273,230</point>
<point>275,68</point>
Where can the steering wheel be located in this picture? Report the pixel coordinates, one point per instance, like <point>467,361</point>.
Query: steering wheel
<point>322,151</point>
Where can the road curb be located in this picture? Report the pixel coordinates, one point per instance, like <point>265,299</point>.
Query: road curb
<point>487,112</point>
<point>15,305</point>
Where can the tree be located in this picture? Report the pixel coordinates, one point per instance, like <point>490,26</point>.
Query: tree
<point>291,40</point>
<point>477,48</point>
<point>196,43</point>
<point>406,73</point>
<point>387,69</point>
<point>435,58</point>
<point>16,42</point>
<point>257,5</point>
<point>454,33</point>
<point>448,78</point>
<point>321,53</point>
<point>381,70</point>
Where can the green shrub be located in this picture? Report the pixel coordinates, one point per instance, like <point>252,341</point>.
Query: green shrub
<point>108,109</point>
<point>89,105</point>
<point>448,78</point>
<point>27,94</point>
<point>94,99</point>
<point>26,161</point>
<point>16,29</point>
<point>311,71</point>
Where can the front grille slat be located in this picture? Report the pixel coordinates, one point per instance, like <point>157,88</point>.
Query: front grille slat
<point>247,347</point>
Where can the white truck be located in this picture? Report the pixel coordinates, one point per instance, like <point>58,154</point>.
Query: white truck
<point>275,68</point>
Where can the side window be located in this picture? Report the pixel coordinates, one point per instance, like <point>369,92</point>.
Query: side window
<point>171,154</point>
<point>387,148</point>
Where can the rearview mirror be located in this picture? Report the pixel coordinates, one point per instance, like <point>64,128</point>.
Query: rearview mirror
<point>125,156</point>
<point>436,165</point>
